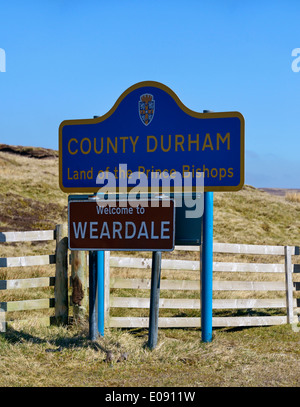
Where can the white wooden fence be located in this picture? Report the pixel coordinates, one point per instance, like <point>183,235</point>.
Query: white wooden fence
<point>59,281</point>
<point>288,303</point>
<point>284,290</point>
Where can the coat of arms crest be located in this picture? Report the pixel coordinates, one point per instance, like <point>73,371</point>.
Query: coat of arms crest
<point>146,108</point>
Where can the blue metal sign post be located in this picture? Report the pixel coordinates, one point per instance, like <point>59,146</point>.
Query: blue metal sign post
<point>207,268</point>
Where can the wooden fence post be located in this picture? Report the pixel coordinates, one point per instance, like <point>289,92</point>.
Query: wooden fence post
<point>79,284</point>
<point>289,284</point>
<point>61,275</point>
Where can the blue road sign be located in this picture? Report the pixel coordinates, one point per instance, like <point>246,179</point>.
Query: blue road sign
<point>149,131</point>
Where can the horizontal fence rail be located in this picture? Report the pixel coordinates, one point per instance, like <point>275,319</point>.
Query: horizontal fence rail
<point>27,305</point>
<point>27,283</point>
<point>39,260</point>
<point>244,249</point>
<point>133,302</point>
<point>195,265</point>
<point>31,236</point>
<point>144,284</point>
<point>194,322</point>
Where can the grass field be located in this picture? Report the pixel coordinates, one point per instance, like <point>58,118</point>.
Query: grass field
<point>32,355</point>
<point>56,356</point>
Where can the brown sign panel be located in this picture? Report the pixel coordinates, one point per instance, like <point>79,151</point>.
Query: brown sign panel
<point>121,226</point>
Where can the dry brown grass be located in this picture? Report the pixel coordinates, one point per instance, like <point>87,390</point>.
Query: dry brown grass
<point>51,357</point>
<point>293,197</point>
<point>30,197</point>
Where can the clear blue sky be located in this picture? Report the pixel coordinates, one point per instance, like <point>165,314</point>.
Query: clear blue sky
<point>72,59</point>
